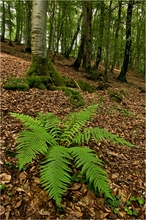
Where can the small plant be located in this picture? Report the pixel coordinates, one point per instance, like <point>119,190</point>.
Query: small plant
<point>125,112</point>
<point>140,201</point>
<point>2,186</point>
<point>62,143</point>
<point>128,205</point>
<point>113,202</point>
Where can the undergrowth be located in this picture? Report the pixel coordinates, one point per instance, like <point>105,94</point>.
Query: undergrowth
<point>61,144</point>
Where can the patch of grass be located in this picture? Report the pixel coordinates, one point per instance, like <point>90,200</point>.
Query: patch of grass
<point>125,112</point>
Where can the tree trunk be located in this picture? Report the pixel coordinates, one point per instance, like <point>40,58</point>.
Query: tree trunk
<point>10,24</point>
<point>28,8</point>
<point>117,35</point>
<point>78,61</point>
<point>88,36</point>
<point>122,75</point>
<point>18,21</point>
<point>74,37</point>
<point>40,62</point>
<point>100,40</point>
<point>3,22</point>
<point>108,42</point>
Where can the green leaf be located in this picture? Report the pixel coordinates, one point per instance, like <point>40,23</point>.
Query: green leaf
<point>141,201</point>
<point>89,163</point>
<point>55,171</point>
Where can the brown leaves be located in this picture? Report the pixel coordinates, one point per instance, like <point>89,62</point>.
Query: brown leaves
<point>124,166</point>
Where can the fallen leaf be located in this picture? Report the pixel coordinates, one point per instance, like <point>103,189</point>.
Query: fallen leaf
<point>2,210</point>
<point>18,204</point>
<point>5,178</point>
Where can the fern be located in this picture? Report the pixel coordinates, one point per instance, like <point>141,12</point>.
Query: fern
<point>59,141</point>
<point>74,123</point>
<point>55,175</point>
<point>85,158</point>
<point>99,134</point>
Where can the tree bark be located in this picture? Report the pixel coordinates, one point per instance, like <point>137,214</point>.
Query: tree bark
<point>116,36</point>
<point>28,9</point>
<point>122,75</point>
<point>80,55</point>
<point>108,42</point>
<point>88,36</point>
<point>3,22</point>
<point>100,40</point>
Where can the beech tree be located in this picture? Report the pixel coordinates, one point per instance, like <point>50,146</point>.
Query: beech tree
<point>40,62</point>
<point>122,75</point>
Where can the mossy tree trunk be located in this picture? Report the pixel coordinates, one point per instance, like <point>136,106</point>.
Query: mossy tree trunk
<point>40,62</point>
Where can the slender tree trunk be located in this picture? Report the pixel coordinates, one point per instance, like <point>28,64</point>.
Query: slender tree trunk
<point>28,8</point>
<point>53,30</point>
<point>88,36</point>
<point>3,22</point>
<point>116,36</point>
<point>122,75</point>
<point>18,21</point>
<point>10,23</point>
<point>80,55</point>
<point>74,37</point>
<point>108,42</point>
<point>100,40</point>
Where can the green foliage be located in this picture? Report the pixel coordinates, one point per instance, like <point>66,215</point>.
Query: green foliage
<point>86,86</point>
<point>74,96</point>
<point>140,201</point>
<point>40,82</point>
<point>113,203</point>
<point>115,96</point>
<point>14,83</point>
<point>58,141</point>
<point>129,205</point>
<point>69,82</point>
<point>2,186</point>
<point>125,112</point>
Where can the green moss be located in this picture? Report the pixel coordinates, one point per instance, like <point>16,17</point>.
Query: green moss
<point>56,77</point>
<point>74,96</point>
<point>86,86</point>
<point>123,91</point>
<point>115,96</point>
<point>69,82</point>
<point>40,82</point>
<point>16,84</point>
<point>93,75</point>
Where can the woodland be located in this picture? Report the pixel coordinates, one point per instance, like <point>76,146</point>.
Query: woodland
<point>72,109</point>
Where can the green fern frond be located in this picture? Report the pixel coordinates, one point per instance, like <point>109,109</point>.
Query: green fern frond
<point>99,134</point>
<point>74,122</point>
<point>27,120</point>
<point>55,175</point>
<point>31,142</point>
<point>85,158</point>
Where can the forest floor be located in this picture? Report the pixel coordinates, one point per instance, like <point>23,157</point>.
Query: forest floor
<point>23,196</point>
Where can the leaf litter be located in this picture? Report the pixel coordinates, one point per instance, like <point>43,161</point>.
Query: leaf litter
<point>124,165</point>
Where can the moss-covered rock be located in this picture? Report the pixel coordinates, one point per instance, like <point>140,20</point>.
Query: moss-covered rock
<point>86,86</point>
<point>115,96</point>
<point>14,83</point>
<point>74,96</point>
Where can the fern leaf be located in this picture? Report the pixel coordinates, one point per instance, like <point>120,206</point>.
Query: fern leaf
<point>31,142</point>
<point>27,120</point>
<point>74,122</point>
<point>86,159</point>
<point>55,175</point>
<point>101,134</point>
